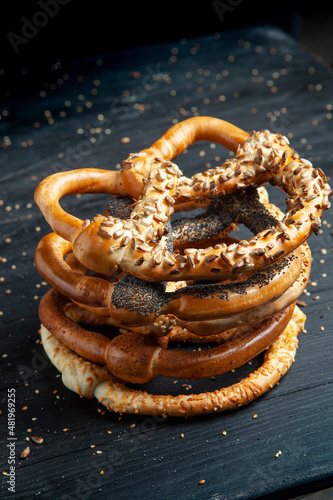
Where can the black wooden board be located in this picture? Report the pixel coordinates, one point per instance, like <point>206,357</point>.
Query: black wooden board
<point>258,78</point>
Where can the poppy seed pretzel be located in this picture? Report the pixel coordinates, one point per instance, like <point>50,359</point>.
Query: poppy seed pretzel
<point>166,324</point>
<point>132,301</point>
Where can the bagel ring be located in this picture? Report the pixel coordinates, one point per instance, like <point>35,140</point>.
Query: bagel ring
<point>106,244</point>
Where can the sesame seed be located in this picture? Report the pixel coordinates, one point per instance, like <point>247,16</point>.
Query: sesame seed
<point>25,453</point>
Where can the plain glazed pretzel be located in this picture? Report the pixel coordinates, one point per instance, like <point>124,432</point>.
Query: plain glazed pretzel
<point>140,246</point>
<point>138,358</point>
<point>90,380</point>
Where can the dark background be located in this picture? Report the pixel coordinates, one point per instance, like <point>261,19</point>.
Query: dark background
<point>37,34</point>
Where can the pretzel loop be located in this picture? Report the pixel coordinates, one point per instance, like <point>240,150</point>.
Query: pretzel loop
<point>136,358</point>
<point>133,302</point>
<point>179,278</point>
<point>140,245</point>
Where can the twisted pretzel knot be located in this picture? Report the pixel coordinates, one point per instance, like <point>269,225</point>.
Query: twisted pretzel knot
<point>135,266</point>
<point>139,245</point>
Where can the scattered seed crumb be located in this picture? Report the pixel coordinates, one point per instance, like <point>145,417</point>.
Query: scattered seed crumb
<point>99,452</point>
<point>101,473</point>
<point>24,408</point>
<point>278,453</point>
<point>202,481</point>
<point>255,415</point>
<point>37,439</point>
<point>125,140</point>
<point>322,328</point>
<point>182,435</point>
<point>25,453</point>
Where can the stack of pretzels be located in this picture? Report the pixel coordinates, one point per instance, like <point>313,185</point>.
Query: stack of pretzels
<point>161,277</point>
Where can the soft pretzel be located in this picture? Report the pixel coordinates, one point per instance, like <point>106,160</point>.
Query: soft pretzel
<point>305,186</point>
<point>168,324</point>
<point>92,180</point>
<point>131,301</point>
<point>137,358</point>
<point>90,380</point>
<point>140,245</point>
<point>174,142</point>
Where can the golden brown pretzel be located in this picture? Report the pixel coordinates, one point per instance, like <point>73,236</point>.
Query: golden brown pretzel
<point>168,324</point>
<point>261,152</point>
<point>134,302</point>
<point>139,245</point>
<point>90,380</point>
<point>92,180</point>
<point>174,142</point>
<point>137,358</point>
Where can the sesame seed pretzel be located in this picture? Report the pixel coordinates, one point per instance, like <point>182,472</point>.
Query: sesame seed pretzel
<point>91,380</point>
<point>140,245</point>
<point>263,157</point>
<point>138,359</point>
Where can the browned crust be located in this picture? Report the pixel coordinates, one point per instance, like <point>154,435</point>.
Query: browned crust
<point>89,380</point>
